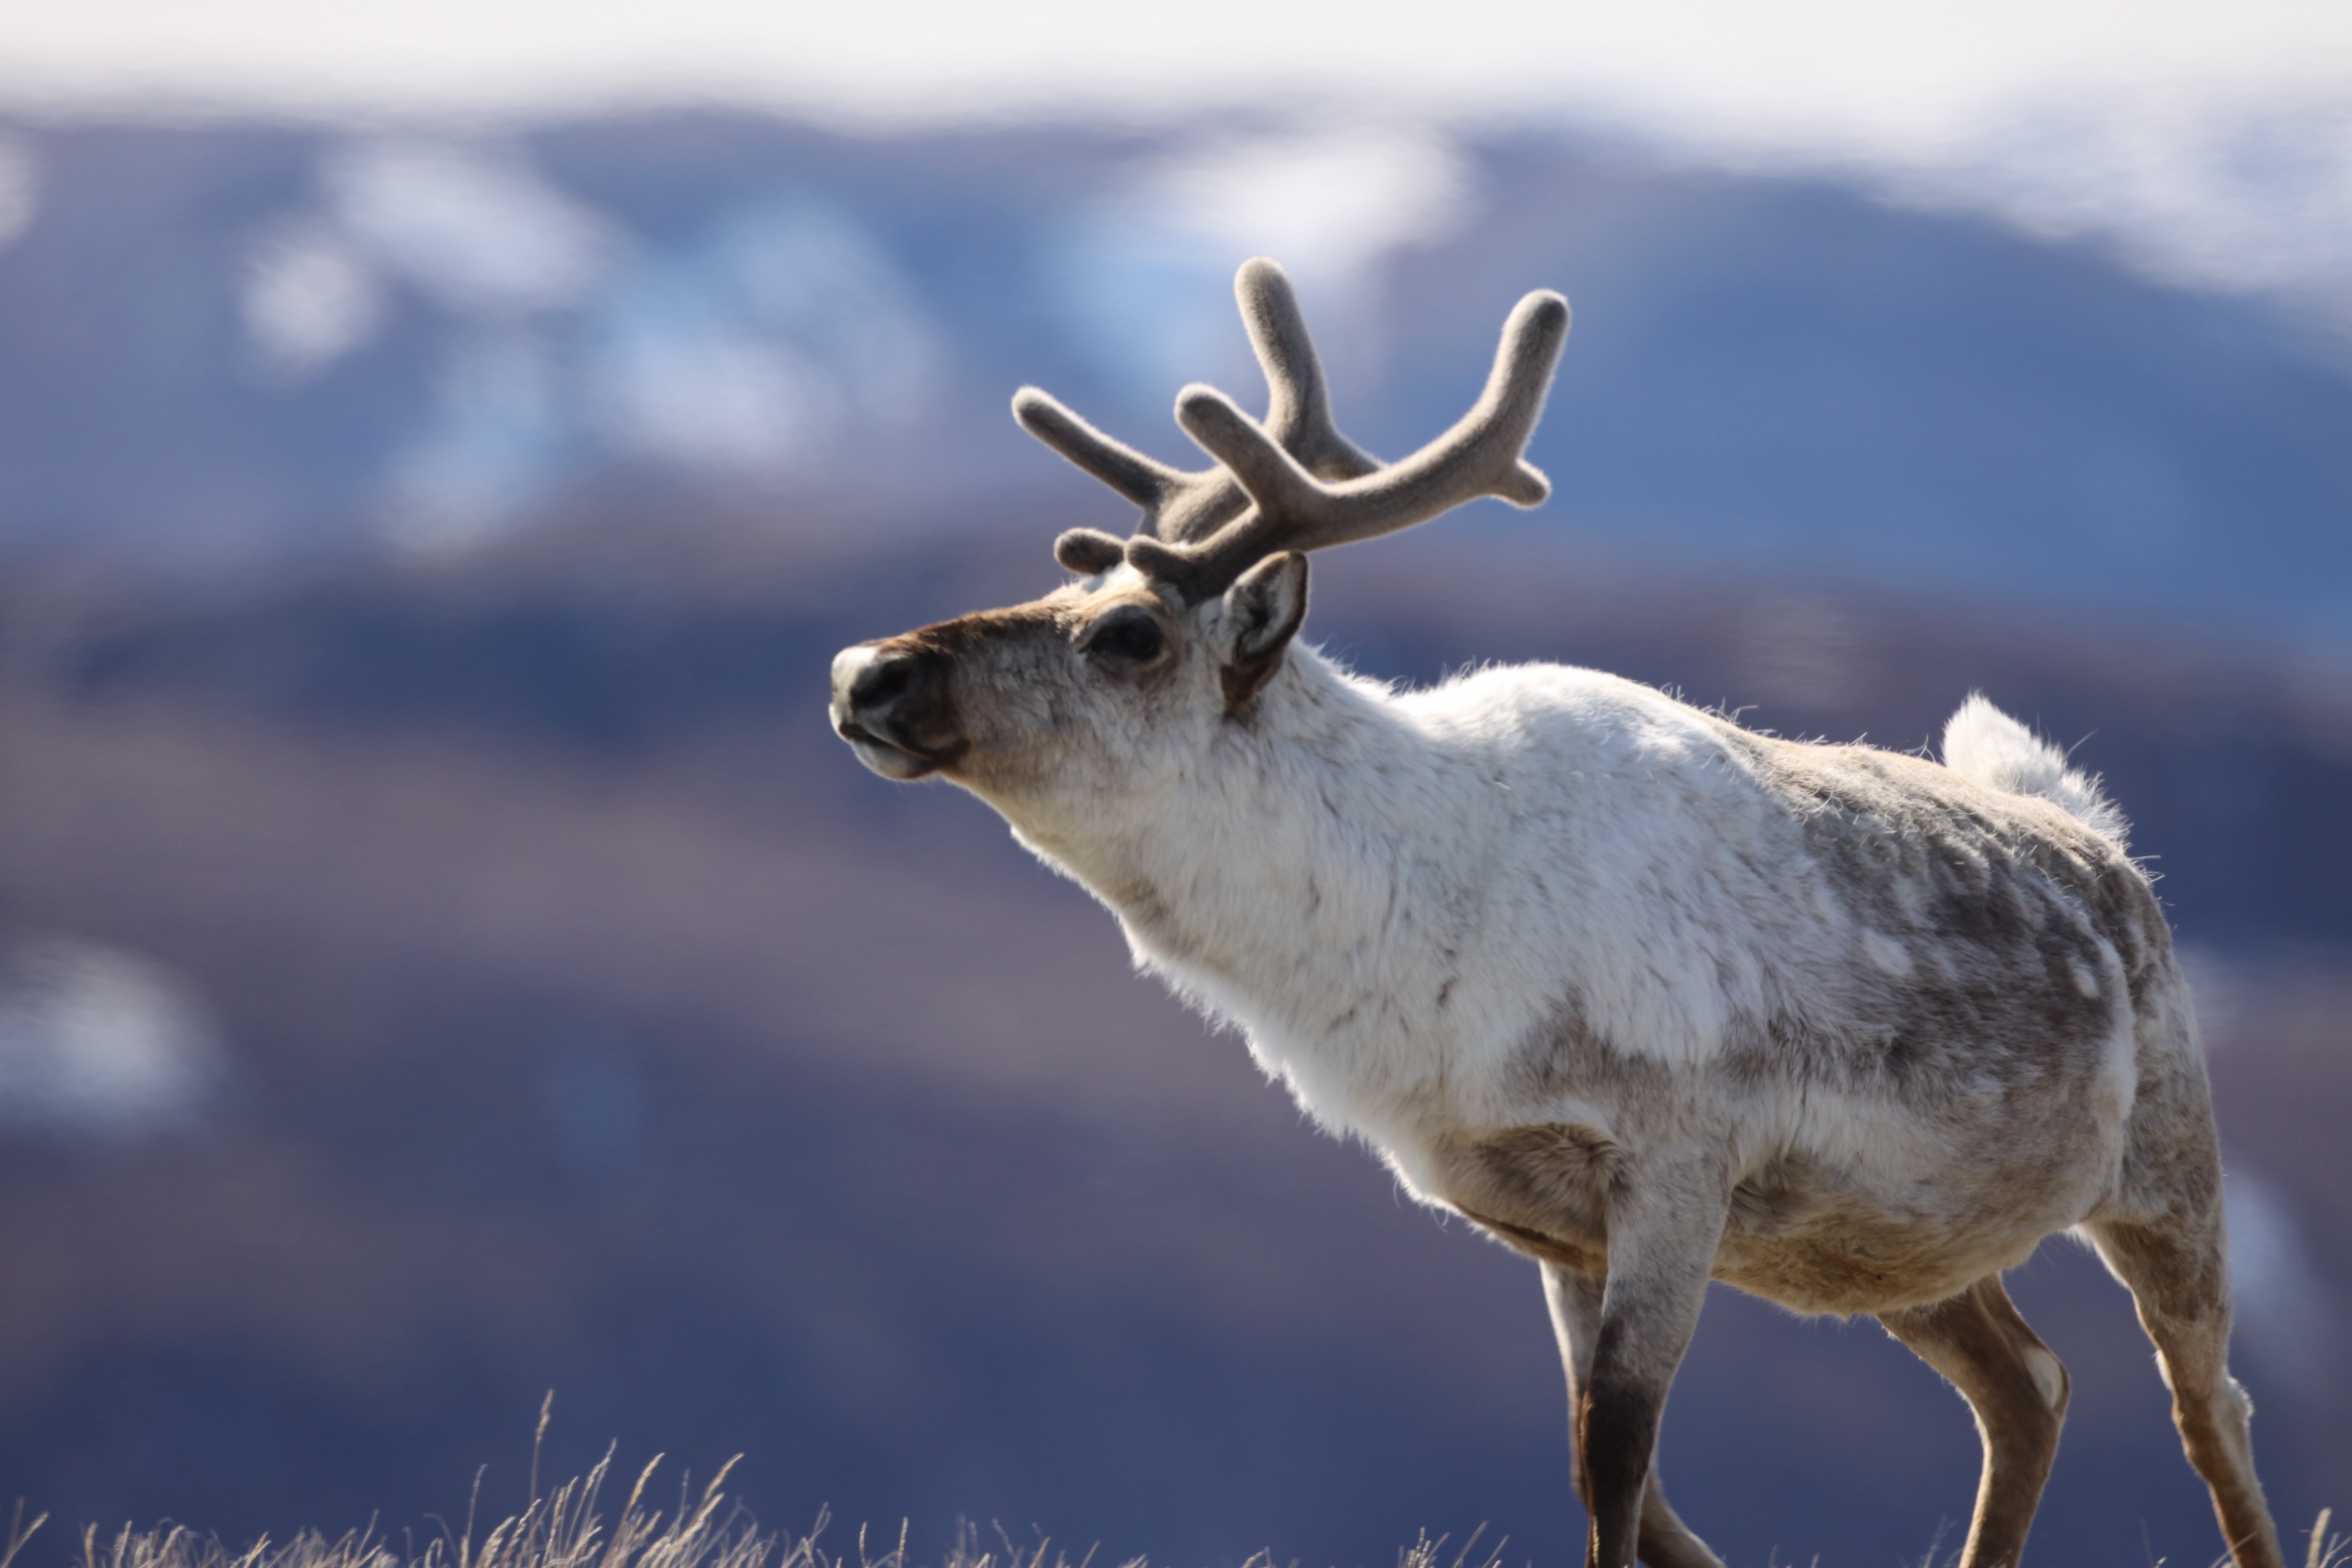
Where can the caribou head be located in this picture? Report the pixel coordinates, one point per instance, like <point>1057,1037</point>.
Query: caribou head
<point>1179,627</point>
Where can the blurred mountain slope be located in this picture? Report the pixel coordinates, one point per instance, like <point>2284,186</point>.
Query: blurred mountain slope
<point>249,348</point>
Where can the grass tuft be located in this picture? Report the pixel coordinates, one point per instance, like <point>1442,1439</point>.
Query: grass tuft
<point>2328,1550</point>
<point>566,1529</point>
<point>563,1530</point>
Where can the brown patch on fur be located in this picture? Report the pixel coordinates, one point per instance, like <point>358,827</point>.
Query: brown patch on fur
<point>967,631</point>
<point>1617,1436</point>
<point>1565,1058</point>
<point>962,633</point>
<point>1549,1062</point>
<point>1551,1167</point>
<point>928,725</point>
<point>1544,1190</point>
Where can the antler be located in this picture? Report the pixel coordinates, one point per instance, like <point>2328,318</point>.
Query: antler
<point>1292,510</point>
<point>1185,508</point>
<point>1293,482</point>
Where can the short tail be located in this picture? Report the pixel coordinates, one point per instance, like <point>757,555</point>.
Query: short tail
<point>1986,746</point>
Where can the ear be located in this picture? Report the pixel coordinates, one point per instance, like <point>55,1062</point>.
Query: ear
<point>1261,612</point>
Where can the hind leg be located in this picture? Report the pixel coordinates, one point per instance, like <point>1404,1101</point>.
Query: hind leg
<point>2019,1392</point>
<point>2162,1236</point>
<point>1575,1301</point>
<point>2176,1273</point>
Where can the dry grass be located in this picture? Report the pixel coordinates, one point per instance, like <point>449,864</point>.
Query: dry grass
<point>2328,1550</point>
<point>565,1528</point>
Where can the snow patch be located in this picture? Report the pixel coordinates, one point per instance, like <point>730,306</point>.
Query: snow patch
<point>99,1044</point>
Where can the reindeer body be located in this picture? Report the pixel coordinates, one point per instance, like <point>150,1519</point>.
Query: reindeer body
<point>1523,928</point>
<point>1644,995</point>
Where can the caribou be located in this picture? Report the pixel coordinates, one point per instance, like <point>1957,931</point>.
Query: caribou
<point>1646,996</point>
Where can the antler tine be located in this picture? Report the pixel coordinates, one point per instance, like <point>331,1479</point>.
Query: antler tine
<point>1299,406</point>
<point>1294,510</point>
<point>1140,479</point>
<point>1186,504</point>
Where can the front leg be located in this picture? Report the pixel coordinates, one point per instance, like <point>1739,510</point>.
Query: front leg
<point>1664,1224</point>
<point>1575,1301</point>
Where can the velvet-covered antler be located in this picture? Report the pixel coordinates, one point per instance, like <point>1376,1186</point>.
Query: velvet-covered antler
<point>1293,481</point>
<point>1186,507</point>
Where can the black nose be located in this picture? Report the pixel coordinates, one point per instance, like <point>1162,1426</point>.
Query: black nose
<point>896,696</point>
<point>886,683</point>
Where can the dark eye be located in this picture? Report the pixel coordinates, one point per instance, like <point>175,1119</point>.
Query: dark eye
<point>1130,635</point>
